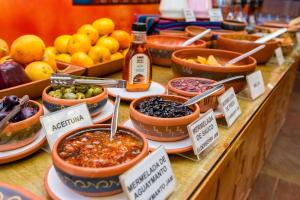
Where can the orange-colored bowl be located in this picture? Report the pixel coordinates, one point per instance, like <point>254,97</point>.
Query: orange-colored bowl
<point>245,43</point>
<point>195,30</point>
<point>22,133</point>
<point>162,129</point>
<point>205,104</point>
<point>161,47</point>
<point>95,104</point>
<point>173,33</point>
<point>184,68</point>
<point>94,181</point>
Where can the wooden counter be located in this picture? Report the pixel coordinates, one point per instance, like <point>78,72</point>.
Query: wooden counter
<point>225,172</point>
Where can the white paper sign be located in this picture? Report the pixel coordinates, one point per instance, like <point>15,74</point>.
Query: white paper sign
<point>215,15</point>
<point>298,37</point>
<point>152,178</point>
<point>203,132</point>
<point>57,123</point>
<point>279,56</point>
<point>189,15</point>
<point>229,106</point>
<point>256,84</point>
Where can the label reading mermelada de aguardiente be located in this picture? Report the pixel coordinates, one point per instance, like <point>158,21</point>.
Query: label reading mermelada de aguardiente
<point>203,132</point>
<point>189,15</point>
<point>256,84</point>
<point>150,179</point>
<point>229,106</point>
<point>139,69</point>
<point>57,123</point>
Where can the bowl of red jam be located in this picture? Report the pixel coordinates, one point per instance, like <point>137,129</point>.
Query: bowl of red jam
<point>161,118</point>
<point>89,163</point>
<point>189,87</point>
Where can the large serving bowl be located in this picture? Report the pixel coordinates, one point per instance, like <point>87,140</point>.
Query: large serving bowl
<point>245,43</point>
<point>94,181</point>
<point>95,104</point>
<point>207,103</point>
<point>162,129</point>
<point>19,134</point>
<point>183,68</point>
<point>161,47</point>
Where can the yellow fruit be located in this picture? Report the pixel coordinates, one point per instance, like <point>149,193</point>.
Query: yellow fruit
<point>49,58</point>
<point>122,37</point>
<point>79,42</point>
<point>38,70</point>
<point>211,60</point>
<point>201,60</point>
<point>89,31</point>
<point>5,58</point>
<point>81,59</point>
<point>27,48</point>
<point>109,42</point>
<point>99,54</point>
<point>61,43</point>
<point>4,49</point>
<point>116,56</point>
<point>50,50</point>
<point>104,26</point>
<point>124,52</point>
<point>64,57</point>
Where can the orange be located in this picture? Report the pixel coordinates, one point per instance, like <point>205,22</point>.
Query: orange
<point>50,50</point>
<point>89,31</point>
<point>4,49</point>
<point>123,38</point>
<point>116,56</point>
<point>61,43</point>
<point>104,26</point>
<point>81,59</point>
<point>38,70</point>
<point>5,58</point>
<point>49,58</point>
<point>64,57</point>
<point>99,54</point>
<point>109,42</point>
<point>27,48</point>
<point>79,42</point>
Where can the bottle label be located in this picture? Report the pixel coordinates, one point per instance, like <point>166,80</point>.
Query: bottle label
<point>139,69</point>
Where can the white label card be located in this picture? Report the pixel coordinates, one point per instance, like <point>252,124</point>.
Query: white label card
<point>298,37</point>
<point>152,178</point>
<point>203,132</point>
<point>57,123</point>
<point>189,15</point>
<point>229,106</point>
<point>256,84</point>
<point>279,56</point>
<point>215,15</point>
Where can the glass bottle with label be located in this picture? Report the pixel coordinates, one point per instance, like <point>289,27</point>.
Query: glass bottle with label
<point>137,70</point>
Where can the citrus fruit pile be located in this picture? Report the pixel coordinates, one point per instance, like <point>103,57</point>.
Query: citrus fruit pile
<point>92,44</point>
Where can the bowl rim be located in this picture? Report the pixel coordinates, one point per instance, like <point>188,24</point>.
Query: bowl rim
<point>159,120</point>
<point>225,37</point>
<point>89,172</point>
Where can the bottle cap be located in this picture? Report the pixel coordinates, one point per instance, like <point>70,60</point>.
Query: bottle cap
<point>139,26</point>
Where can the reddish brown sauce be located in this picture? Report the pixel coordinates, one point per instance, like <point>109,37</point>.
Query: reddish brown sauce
<point>94,149</point>
<point>190,85</point>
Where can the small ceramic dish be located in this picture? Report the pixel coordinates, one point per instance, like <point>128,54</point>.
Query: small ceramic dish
<point>233,25</point>
<point>90,181</point>
<point>22,133</point>
<point>161,47</point>
<point>245,43</point>
<point>163,129</point>
<point>11,192</point>
<point>95,104</point>
<point>183,68</point>
<point>205,104</point>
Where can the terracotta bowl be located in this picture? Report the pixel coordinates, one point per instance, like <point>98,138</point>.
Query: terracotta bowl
<point>245,43</point>
<point>161,47</point>
<point>22,133</point>
<point>233,25</point>
<point>95,104</point>
<point>173,33</point>
<point>94,181</point>
<point>181,67</point>
<point>205,104</point>
<point>195,30</point>
<point>162,129</point>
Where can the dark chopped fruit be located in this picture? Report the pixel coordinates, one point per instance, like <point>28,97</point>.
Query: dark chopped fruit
<point>190,85</point>
<point>11,101</point>
<point>158,107</point>
<point>25,113</point>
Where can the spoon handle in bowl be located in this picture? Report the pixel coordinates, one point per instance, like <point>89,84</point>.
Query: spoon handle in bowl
<point>114,120</point>
<point>271,36</point>
<point>197,37</point>
<point>227,80</point>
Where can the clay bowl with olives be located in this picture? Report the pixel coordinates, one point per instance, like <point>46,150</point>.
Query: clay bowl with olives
<point>160,118</point>
<point>23,128</point>
<point>58,97</point>
<point>161,47</point>
<point>189,87</point>
<point>209,63</point>
<point>89,163</point>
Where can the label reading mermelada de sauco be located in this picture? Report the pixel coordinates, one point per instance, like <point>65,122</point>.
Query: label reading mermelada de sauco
<point>150,179</point>
<point>256,84</point>
<point>57,123</point>
<point>203,132</point>
<point>139,67</point>
<point>189,15</point>
<point>229,106</point>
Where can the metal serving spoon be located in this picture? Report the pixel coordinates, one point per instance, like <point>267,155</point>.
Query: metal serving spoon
<point>114,120</point>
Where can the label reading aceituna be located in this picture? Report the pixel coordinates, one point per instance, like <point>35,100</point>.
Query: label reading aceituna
<point>139,69</point>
